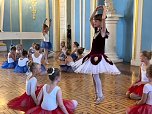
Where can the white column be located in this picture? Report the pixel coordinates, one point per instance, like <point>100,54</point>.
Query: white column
<point>72,20</point>
<point>2,14</point>
<point>63,20</point>
<point>83,24</point>
<point>137,29</point>
<point>110,46</point>
<point>20,18</point>
<point>56,24</point>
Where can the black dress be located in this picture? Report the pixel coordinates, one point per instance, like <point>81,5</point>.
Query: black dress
<point>98,48</point>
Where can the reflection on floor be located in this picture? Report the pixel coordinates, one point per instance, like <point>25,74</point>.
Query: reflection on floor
<point>75,86</point>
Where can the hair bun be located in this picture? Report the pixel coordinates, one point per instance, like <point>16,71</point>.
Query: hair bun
<point>51,71</point>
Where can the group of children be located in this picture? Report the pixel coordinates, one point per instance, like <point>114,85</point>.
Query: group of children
<point>43,99</point>
<point>142,89</point>
<point>68,57</point>
<point>18,57</point>
<point>47,99</point>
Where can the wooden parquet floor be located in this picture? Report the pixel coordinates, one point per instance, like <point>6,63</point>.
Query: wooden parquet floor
<point>74,86</point>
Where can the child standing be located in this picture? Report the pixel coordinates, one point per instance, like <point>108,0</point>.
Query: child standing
<point>144,106</point>
<point>11,58</point>
<point>136,90</point>
<point>46,44</point>
<point>22,63</point>
<point>52,92</point>
<point>96,61</point>
<point>28,99</point>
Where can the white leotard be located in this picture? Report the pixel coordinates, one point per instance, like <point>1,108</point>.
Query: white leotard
<point>38,59</point>
<point>148,90</point>
<point>46,38</point>
<point>10,60</point>
<point>49,99</point>
<point>143,75</point>
<point>31,85</point>
<point>22,61</point>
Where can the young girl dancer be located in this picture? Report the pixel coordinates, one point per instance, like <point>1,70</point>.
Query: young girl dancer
<point>52,92</point>
<point>19,49</point>
<point>96,61</point>
<point>80,53</point>
<point>28,99</point>
<point>11,59</point>
<point>32,49</point>
<point>136,90</point>
<point>74,52</point>
<point>22,63</point>
<point>68,63</point>
<point>144,106</point>
<point>46,44</point>
<point>37,57</point>
<point>62,53</point>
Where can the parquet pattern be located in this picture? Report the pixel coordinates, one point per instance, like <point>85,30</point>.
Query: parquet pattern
<point>74,86</point>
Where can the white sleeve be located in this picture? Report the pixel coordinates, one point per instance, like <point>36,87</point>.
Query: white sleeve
<point>145,89</point>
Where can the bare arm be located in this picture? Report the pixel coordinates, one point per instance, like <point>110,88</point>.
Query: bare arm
<point>66,61</point>
<point>143,99</point>
<point>13,56</point>
<point>103,20</point>
<point>75,50</point>
<point>60,102</point>
<point>39,97</point>
<point>91,18</point>
<point>43,24</point>
<point>33,95</point>
<point>50,23</point>
<point>43,60</point>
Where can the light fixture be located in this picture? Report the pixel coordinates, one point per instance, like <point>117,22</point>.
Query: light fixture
<point>109,6</point>
<point>34,11</point>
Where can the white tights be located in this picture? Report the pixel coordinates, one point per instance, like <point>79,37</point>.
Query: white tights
<point>98,85</point>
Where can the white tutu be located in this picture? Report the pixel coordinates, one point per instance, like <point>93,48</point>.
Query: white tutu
<point>88,68</point>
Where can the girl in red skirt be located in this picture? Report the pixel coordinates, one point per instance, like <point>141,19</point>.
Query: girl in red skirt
<point>51,95</point>
<point>144,106</point>
<point>28,99</point>
<point>136,90</point>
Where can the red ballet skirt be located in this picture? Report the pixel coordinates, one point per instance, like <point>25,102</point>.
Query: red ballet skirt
<point>23,102</point>
<point>140,109</point>
<point>138,90</point>
<point>38,110</point>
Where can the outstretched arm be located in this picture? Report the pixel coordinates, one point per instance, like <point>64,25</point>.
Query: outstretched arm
<point>103,20</point>
<point>50,23</point>
<point>43,24</point>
